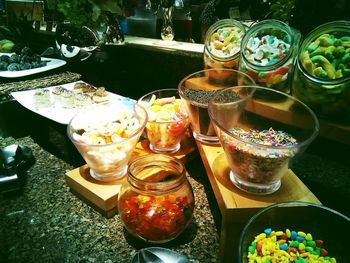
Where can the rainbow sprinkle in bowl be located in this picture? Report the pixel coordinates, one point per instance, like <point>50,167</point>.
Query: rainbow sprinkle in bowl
<point>260,132</point>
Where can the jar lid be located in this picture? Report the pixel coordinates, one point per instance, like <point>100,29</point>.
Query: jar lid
<point>268,43</point>
<point>223,39</point>
<point>325,53</point>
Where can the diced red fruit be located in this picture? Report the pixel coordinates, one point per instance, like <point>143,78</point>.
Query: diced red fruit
<point>176,129</point>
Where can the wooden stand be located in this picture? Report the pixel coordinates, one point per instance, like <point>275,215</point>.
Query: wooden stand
<point>236,206</point>
<point>103,196</point>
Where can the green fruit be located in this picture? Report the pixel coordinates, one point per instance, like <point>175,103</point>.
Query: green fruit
<point>6,45</point>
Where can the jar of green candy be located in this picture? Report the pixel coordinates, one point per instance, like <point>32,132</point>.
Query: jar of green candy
<point>268,53</point>
<point>322,77</point>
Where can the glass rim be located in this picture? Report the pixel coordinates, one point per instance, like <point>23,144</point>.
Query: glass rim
<point>176,91</point>
<point>299,145</point>
<point>344,24</point>
<point>163,159</point>
<point>254,29</point>
<point>231,23</point>
<point>100,107</point>
<point>203,105</point>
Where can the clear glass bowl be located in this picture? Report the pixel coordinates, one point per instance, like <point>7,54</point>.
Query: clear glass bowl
<point>156,201</point>
<point>167,120</point>
<point>260,130</point>
<point>195,91</point>
<point>322,76</point>
<point>106,136</point>
<point>323,223</point>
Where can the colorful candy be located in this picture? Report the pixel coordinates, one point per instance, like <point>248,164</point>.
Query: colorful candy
<point>155,218</point>
<point>225,42</point>
<point>327,57</point>
<point>266,51</point>
<point>222,45</point>
<point>259,157</point>
<point>261,58</point>
<point>288,246</point>
<point>167,123</point>
<point>101,133</point>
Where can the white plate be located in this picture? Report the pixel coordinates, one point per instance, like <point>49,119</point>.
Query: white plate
<point>55,112</point>
<point>51,64</point>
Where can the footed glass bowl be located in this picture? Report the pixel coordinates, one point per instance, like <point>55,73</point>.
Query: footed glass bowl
<point>261,130</point>
<point>106,136</point>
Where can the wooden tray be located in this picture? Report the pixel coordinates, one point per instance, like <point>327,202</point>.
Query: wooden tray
<point>103,196</point>
<point>236,206</point>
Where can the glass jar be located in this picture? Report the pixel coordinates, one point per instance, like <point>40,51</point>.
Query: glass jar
<point>222,44</point>
<point>322,76</point>
<point>156,201</point>
<point>268,53</point>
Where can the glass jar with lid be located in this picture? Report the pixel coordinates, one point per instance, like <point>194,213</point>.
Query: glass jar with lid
<point>268,53</point>
<point>156,201</point>
<point>322,75</point>
<point>222,44</point>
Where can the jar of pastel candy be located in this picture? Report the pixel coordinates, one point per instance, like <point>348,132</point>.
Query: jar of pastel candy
<point>322,75</point>
<point>268,52</point>
<point>222,44</point>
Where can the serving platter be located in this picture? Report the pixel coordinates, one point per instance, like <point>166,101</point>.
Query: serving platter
<point>55,112</point>
<point>52,63</point>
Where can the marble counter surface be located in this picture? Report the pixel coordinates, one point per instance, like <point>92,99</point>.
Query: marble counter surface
<point>47,223</point>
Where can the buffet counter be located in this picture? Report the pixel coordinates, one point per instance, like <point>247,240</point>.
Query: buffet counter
<point>46,222</point>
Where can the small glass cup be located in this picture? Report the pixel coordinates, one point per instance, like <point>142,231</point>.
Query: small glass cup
<point>156,201</point>
<point>195,91</point>
<point>167,120</point>
<point>106,136</point>
<point>261,130</point>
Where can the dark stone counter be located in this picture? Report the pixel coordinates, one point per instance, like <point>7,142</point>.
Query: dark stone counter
<point>47,223</point>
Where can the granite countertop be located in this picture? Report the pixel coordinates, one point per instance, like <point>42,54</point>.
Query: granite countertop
<point>47,223</point>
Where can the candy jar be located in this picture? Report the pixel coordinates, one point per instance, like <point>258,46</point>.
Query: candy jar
<point>222,44</point>
<point>268,52</point>
<point>156,201</point>
<point>322,75</point>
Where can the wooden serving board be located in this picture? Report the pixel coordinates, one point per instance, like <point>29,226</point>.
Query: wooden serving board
<point>236,206</point>
<point>103,196</point>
